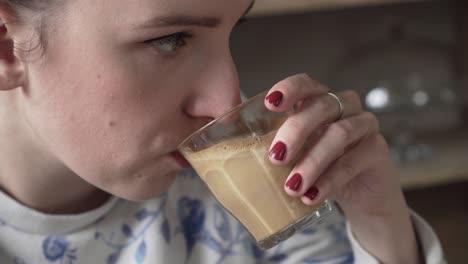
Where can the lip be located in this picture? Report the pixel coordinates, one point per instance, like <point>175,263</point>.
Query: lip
<point>177,156</point>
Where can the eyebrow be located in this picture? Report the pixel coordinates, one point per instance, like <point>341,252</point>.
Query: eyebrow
<point>180,20</point>
<point>183,20</point>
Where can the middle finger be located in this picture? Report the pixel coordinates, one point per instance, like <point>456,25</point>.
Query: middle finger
<point>332,145</point>
<point>310,118</point>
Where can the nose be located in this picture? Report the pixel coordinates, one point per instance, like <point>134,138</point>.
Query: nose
<point>216,91</point>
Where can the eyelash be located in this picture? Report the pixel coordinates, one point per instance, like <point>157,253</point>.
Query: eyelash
<point>175,41</point>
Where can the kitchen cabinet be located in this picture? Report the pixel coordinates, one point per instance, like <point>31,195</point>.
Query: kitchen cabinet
<point>448,165</point>
<point>462,50</point>
<point>273,7</point>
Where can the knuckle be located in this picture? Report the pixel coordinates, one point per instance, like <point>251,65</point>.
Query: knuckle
<point>304,77</point>
<point>320,86</point>
<point>354,98</point>
<point>380,141</point>
<point>287,84</point>
<point>311,82</point>
<point>296,126</point>
<point>341,129</point>
<point>380,144</point>
<point>313,162</point>
<point>348,168</point>
<point>324,106</point>
<point>372,120</point>
<point>295,81</point>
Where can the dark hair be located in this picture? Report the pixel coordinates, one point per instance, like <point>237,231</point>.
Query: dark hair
<point>20,11</point>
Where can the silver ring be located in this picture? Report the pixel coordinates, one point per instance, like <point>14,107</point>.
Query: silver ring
<point>340,104</point>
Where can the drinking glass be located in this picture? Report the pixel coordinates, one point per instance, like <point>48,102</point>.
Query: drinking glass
<point>230,154</point>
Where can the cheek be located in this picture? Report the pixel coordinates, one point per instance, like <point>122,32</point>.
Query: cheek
<point>98,110</point>
<point>108,124</point>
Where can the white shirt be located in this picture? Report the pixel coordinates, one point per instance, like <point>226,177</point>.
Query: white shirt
<point>185,225</point>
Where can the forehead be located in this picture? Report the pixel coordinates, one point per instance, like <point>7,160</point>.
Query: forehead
<point>116,19</point>
<point>136,10</point>
<point>113,21</point>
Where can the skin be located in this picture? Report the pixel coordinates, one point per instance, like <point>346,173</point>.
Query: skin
<point>102,109</point>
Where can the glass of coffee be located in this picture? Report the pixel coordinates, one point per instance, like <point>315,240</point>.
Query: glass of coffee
<point>230,154</point>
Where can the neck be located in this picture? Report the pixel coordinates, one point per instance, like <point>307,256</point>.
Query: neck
<point>35,177</point>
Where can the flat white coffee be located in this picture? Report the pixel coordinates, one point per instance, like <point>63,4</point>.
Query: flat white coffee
<point>241,177</point>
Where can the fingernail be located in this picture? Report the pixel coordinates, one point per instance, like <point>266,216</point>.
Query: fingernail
<point>275,98</point>
<point>278,151</point>
<point>295,182</point>
<point>312,193</point>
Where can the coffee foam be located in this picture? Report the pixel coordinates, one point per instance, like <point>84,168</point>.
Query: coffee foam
<point>229,147</point>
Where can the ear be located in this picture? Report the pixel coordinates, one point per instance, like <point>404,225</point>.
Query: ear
<point>12,74</point>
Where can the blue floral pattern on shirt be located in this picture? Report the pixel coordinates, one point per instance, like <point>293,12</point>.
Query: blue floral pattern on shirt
<point>57,249</point>
<point>223,238</point>
<point>198,221</point>
<point>148,218</point>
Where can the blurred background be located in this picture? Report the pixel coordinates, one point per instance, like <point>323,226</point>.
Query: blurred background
<point>408,60</point>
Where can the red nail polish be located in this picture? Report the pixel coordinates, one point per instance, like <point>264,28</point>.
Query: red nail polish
<point>275,98</point>
<point>295,182</point>
<point>312,193</point>
<point>278,152</point>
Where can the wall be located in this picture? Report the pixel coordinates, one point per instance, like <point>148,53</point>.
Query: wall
<point>270,48</point>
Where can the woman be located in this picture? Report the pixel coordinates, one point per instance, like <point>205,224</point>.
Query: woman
<point>96,96</point>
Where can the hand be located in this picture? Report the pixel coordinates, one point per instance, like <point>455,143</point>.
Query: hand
<point>345,158</point>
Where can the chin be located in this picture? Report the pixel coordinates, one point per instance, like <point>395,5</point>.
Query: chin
<point>147,189</point>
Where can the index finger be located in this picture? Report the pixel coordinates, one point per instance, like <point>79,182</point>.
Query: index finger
<point>292,90</point>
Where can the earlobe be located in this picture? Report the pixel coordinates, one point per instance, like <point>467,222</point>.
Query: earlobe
<point>11,68</point>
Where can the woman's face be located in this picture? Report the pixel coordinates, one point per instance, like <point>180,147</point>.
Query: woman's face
<point>123,82</point>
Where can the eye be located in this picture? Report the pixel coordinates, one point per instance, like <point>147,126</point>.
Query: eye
<point>169,43</point>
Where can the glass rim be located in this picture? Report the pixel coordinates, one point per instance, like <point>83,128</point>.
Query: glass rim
<point>212,122</point>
